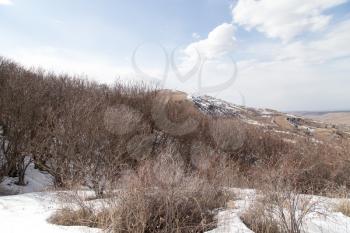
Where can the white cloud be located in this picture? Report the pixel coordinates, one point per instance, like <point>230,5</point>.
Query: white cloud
<point>303,75</point>
<point>290,85</point>
<point>196,36</point>
<point>220,41</point>
<point>329,46</point>
<point>65,61</point>
<point>203,65</point>
<point>6,2</point>
<point>283,19</point>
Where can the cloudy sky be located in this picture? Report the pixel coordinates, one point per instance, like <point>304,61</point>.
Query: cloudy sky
<point>285,54</point>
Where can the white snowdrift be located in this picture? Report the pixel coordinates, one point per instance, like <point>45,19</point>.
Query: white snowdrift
<point>29,213</point>
<point>324,221</point>
<point>36,180</point>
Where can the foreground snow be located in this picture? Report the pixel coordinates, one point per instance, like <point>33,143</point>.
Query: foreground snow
<point>29,213</point>
<point>29,210</point>
<point>36,180</point>
<point>26,213</point>
<point>325,220</point>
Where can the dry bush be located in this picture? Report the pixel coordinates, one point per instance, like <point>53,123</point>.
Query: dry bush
<point>159,197</point>
<point>21,111</point>
<point>86,134</point>
<point>229,134</point>
<point>280,204</point>
<point>81,217</point>
<point>317,168</point>
<point>59,122</point>
<point>343,207</point>
<point>2,154</point>
<point>259,221</point>
<point>174,118</point>
<point>284,211</point>
<point>216,167</point>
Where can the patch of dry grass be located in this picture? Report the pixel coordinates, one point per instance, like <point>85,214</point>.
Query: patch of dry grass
<point>256,219</point>
<point>343,207</point>
<point>159,197</point>
<point>80,217</point>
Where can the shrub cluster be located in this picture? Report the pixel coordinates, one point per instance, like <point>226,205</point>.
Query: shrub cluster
<point>84,133</point>
<point>88,134</point>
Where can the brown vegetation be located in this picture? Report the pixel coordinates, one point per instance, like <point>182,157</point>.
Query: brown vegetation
<point>279,208</point>
<point>90,135</point>
<point>343,207</point>
<point>161,196</point>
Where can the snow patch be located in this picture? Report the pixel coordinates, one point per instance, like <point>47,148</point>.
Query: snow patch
<point>29,213</point>
<point>36,180</point>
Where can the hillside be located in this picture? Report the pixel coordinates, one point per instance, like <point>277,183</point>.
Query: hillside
<point>308,125</point>
<point>134,158</point>
<point>338,118</point>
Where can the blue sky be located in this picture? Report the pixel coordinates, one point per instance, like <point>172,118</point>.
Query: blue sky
<point>288,54</point>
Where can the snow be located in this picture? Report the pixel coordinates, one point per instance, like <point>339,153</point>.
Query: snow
<point>29,213</point>
<point>289,140</point>
<point>36,181</point>
<point>29,210</point>
<point>325,220</point>
<point>266,112</point>
<point>253,122</point>
<point>331,223</point>
<point>216,107</point>
<point>229,220</point>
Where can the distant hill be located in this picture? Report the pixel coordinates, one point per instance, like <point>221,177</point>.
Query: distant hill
<point>286,125</point>
<point>333,117</point>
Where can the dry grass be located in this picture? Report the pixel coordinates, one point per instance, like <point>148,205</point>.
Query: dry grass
<point>86,134</point>
<point>80,217</point>
<point>283,212</point>
<point>279,207</point>
<point>343,207</point>
<point>78,130</point>
<point>256,219</point>
<point>160,197</point>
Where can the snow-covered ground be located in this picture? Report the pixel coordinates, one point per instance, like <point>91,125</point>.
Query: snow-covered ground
<point>27,213</point>
<point>29,210</point>
<point>25,209</point>
<point>324,220</point>
<point>36,181</point>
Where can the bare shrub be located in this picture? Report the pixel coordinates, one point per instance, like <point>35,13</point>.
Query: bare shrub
<point>343,207</point>
<point>317,168</point>
<point>21,112</point>
<point>85,134</point>
<point>259,221</point>
<point>149,203</point>
<point>81,217</point>
<point>173,117</point>
<point>3,148</point>
<point>228,134</point>
<point>147,206</point>
<point>280,212</point>
<point>122,120</point>
<point>280,205</point>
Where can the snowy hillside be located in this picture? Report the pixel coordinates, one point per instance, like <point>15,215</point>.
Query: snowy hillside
<point>27,208</point>
<point>278,122</point>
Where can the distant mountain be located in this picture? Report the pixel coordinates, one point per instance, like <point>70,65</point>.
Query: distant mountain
<point>332,117</point>
<point>317,126</point>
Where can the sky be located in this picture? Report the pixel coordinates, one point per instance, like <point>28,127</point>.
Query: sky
<point>289,55</point>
